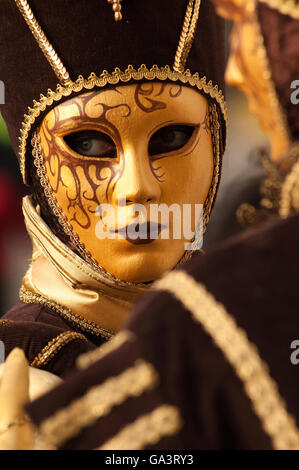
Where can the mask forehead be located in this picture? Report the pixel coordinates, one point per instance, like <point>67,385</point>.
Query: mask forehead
<point>141,106</point>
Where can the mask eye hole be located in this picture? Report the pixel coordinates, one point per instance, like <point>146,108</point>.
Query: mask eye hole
<point>91,144</point>
<point>170,138</point>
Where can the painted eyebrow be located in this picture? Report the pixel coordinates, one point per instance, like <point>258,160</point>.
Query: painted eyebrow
<point>159,126</point>
<point>73,126</point>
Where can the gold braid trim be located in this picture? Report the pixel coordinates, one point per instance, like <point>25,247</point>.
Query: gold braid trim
<point>3,321</point>
<point>187,35</point>
<point>242,355</point>
<point>54,346</point>
<point>286,7</point>
<point>114,78</point>
<point>215,136</point>
<point>40,37</point>
<point>87,359</point>
<point>146,430</point>
<point>79,322</point>
<point>98,402</point>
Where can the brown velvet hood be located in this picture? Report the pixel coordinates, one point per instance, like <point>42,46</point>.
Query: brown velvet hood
<point>88,40</point>
<point>280,29</point>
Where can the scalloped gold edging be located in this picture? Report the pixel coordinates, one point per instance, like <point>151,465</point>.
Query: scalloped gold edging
<point>106,78</point>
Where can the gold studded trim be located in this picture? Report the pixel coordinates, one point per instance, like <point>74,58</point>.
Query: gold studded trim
<point>54,346</point>
<point>147,430</point>
<point>79,322</point>
<point>87,359</point>
<point>114,78</point>
<point>286,7</point>
<point>242,355</point>
<point>98,402</point>
<point>187,35</point>
<point>40,37</point>
<point>215,136</point>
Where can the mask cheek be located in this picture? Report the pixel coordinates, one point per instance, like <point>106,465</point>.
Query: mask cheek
<point>188,177</point>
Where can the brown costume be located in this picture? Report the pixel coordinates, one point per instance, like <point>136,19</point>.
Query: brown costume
<point>63,283</point>
<point>207,362</point>
<point>185,365</point>
<point>280,34</point>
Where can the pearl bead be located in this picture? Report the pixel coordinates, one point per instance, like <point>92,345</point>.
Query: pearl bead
<point>116,7</point>
<point>117,16</point>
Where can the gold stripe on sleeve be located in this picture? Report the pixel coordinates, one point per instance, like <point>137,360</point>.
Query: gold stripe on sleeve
<point>146,430</point>
<point>98,402</point>
<point>242,355</point>
<point>87,359</point>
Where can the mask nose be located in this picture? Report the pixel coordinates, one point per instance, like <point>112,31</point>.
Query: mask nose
<point>137,183</point>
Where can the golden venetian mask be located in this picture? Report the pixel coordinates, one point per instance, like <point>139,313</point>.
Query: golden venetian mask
<point>145,143</point>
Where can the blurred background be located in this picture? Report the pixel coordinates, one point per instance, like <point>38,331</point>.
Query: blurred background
<point>240,177</point>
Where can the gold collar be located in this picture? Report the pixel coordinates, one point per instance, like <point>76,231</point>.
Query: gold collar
<point>60,279</point>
